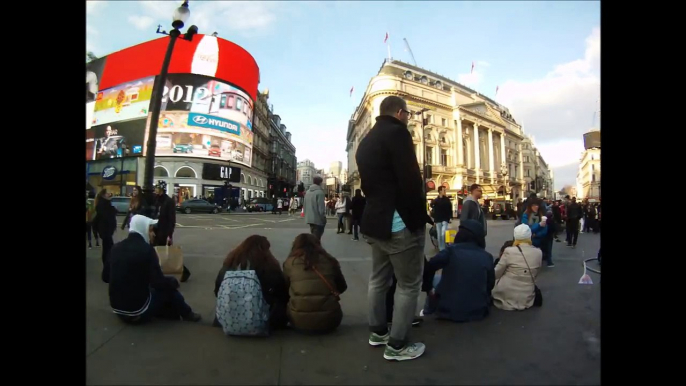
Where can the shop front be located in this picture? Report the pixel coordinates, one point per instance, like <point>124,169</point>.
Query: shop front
<point>117,175</point>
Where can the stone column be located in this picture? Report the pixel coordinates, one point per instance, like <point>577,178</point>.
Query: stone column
<point>491,160</point>
<point>521,163</point>
<point>503,157</point>
<point>458,143</point>
<point>477,161</point>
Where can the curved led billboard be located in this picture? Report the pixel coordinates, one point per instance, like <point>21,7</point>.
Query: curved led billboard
<point>206,109</point>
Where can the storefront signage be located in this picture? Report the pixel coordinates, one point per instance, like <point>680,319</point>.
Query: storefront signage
<point>212,122</point>
<point>221,173</point>
<point>109,173</point>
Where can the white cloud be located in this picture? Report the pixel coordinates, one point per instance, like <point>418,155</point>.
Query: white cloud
<point>224,17</point>
<point>93,7</point>
<point>141,22</point>
<point>473,78</point>
<point>558,108</point>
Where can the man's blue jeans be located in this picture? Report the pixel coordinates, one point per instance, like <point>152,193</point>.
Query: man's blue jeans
<point>441,227</point>
<point>430,304</point>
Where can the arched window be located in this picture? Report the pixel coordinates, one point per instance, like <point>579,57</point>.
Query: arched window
<point>186,172</point>
<point>161,171</point>
<point>242,178</point>
<point>249,180</point>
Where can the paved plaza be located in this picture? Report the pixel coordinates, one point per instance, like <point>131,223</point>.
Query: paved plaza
<point>556,344</point>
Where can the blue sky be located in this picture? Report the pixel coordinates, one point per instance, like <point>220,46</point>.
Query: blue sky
<point>544,56</point>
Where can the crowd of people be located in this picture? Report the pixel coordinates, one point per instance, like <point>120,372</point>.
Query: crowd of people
<point>256,295</point>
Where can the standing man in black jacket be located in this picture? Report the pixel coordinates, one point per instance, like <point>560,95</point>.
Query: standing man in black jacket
<point>138,289</point>
<point>443,213</point>
<point>394,222</point>
<point>574,214</point>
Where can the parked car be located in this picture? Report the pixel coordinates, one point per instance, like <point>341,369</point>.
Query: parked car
<point>502,209</point>
<point>121,204</point>
<point>197,205</point>
<point>260,204</point>
<point>181,148</point>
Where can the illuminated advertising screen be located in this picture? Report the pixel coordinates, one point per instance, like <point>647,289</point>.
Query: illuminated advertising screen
<point>206,118</point>
<point>116,139</point>
<point>94,71</point>
<point>126,101</point>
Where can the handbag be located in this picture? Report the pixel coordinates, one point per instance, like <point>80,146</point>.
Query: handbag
<point>538,296</point>
<point>171,260</point>
<point>333,291</point>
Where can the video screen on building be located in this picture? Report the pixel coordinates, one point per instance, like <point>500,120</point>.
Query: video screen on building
<point>123,102</point>
<point>94,70</point>
<point>592,140</point>
<point>116,139</point>
<point>206,118</point>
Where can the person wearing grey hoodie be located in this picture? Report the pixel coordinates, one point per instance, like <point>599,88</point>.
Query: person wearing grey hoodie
<point>471,210</point>
<point>315,210</point>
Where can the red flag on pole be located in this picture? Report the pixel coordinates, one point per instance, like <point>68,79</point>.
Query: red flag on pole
<point>386,38</point>
<point>351,90</point>
<point>472,68</point>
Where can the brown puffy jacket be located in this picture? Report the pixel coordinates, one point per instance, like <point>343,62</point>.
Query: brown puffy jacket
<point>312,306</point>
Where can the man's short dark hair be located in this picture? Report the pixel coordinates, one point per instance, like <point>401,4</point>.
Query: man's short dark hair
<point>474,186</point>
<point>567,196</point>
<point>391,105</point>
<point>317,180</point>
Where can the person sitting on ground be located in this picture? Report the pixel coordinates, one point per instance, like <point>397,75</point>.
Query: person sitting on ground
<point>506,244</point>
<point>315,281</point>
<point>516,271</point>
<point>533,217</point>
<point>464,291</point>
<point>243,307</point>
<point>137,287</point>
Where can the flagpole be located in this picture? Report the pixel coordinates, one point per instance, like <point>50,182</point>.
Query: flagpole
<point>388,45</point>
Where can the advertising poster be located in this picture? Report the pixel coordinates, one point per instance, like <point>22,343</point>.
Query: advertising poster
<point>94,71</point>
<point>116,140</point>
<point>126,101</point>
<point>206,118</point>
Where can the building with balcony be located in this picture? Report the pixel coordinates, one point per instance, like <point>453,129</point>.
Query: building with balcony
<point>588,177</point>
<point>306,172</point>
<point>281,163</point>
<point>468,137</point>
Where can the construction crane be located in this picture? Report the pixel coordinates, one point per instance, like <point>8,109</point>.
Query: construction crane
<point>408,49</point>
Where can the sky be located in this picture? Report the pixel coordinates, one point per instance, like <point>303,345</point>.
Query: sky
<point>544,58</point>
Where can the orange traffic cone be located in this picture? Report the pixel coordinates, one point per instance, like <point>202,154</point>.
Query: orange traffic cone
<point>302,213</point>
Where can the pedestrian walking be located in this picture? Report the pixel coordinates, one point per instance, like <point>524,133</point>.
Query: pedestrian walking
<point>315,211</point>
<point>574,214</point>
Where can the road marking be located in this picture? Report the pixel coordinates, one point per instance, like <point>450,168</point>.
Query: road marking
<point>238,226</point>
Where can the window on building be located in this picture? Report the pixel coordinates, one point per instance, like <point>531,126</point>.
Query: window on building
<point>408,75</point>
<point>528,172</point>
<point>444,122</point>
<point>593,177</point>
<point>424,80</point>
<point>229,102</point>
<point>439,85</point>
<point>222,104</point>
<point>444,157</point>
<point>239,104</point>
<point>429,153</point>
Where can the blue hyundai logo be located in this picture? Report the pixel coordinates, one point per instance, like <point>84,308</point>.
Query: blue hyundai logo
<point>200,120</point>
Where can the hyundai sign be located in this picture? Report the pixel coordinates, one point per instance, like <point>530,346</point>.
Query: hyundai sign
<point>211,122</point>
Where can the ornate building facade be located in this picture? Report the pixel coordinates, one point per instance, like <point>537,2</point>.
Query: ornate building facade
<point>468,137</point>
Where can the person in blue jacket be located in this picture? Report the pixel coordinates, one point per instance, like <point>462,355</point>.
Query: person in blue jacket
<point>533,217</point>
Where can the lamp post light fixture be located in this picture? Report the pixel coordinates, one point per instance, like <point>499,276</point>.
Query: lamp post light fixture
<point>179,18</point>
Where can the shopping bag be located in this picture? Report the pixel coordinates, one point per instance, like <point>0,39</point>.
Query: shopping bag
<point>450,236</point>
<point>171,260</point>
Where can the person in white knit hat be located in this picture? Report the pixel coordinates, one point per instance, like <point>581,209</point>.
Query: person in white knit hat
<point>516,271</point>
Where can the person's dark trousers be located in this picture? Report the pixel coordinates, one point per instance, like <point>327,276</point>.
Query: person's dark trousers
<point>572,231</point>
<point>168,304</point>
<point>558,226</point>
<point>547,249</point>
<point>587,224</point>
<point>341,223</point>
<point>356,228</point>
<point>107,243</point>
<point>317,231</point>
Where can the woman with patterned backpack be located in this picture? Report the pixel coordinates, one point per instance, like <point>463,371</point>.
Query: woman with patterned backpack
<point>251,291</point>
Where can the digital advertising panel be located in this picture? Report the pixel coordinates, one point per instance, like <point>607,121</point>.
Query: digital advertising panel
<point>126,101</point>
<point>206,118</point>
<point>116,140</point>
<point>206,110</point>
<point>94,70</point>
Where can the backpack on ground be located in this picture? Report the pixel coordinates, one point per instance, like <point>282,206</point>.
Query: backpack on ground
<point>241,308</point>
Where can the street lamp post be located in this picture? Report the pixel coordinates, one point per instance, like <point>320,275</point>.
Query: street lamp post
<point>180,16</point>
<point>421,113</point>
